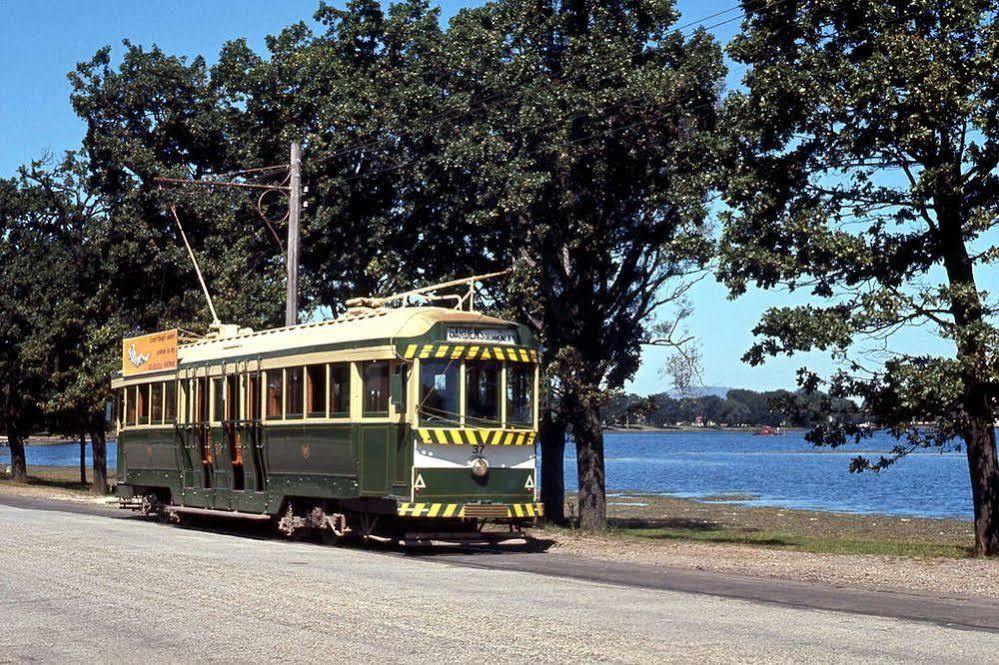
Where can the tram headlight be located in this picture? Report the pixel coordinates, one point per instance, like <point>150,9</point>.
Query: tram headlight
<point>480,467</point>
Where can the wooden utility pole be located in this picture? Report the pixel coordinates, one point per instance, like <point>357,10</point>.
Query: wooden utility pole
<point>294,214</point>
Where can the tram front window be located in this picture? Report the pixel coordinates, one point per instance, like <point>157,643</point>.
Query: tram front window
<point>439,392</point>
<point>482,399</point>
<point>520,394</point>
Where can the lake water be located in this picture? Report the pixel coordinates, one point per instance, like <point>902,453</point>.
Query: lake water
<point>783,471</point>
<point>763,470</point>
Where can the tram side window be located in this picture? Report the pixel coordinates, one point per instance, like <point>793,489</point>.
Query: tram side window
<point>170,402</point>
<point>142,404</point>
<point>130,410</point>
<point>117,416</point>
<point>340,389</point>
<point>520,394</point>
<point>482,399</point>
<point>218,400</point>
<point>156,403</point>
<point>315,390</point>
<point>253,397</point>
<point>402,371</point>
<point>296,396</point>
<point>275,388</point>
<point>376,387</point>
<point>201,412</point>
<point>187,414</point>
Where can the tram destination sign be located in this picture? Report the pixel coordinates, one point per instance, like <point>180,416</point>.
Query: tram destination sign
<point>482,335</point>
<point>149,353</point>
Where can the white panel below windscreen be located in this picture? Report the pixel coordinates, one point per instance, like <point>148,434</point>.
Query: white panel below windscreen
<point>438,456</point>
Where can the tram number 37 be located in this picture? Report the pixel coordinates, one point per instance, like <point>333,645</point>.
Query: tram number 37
<point>478,449</point>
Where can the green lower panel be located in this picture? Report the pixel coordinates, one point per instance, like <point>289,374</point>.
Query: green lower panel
<point>500,485</point>
<point>311,485</point>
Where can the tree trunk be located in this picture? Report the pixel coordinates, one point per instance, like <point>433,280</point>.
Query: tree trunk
<point>972,352</point>
<point>589,438</point>
<point>83,458</point>
<point>553,468</point>
<point>983,465</point>
<point>18,464</point>
<point>98,441</point>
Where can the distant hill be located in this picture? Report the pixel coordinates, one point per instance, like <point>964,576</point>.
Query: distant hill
<point>702,391</point>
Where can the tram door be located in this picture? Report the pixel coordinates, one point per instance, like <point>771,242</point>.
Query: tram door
<point>187,447</point>
<point>239,470</point>
<point>251,442</point>
<point>194,442</point>
<point>203,434</point>
<point>218,435</point>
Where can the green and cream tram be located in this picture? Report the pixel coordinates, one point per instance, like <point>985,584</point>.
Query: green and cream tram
<point>408,422</point>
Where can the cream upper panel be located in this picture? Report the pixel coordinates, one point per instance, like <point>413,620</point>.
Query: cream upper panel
<point>386,324</point>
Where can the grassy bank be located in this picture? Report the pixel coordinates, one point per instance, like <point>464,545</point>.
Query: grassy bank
<point>52,481</point>
<point>655,520</point>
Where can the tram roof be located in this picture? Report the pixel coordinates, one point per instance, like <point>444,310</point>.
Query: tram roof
<point>361,327</point>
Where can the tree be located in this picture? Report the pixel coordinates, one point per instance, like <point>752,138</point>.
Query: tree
<point>597,169</point>
<point>863,168</point>
<point>76,334</point>
<point>572,139</point>
<point>26,278</point>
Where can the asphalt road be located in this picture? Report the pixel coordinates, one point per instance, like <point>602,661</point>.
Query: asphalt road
<point>77,586</point>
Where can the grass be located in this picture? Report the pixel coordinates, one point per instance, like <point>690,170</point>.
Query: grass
<point>725,520</point>
<point>823,544</point>
<point>65,479</point>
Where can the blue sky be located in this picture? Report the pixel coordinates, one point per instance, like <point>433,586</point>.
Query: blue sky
<point>41,41</point>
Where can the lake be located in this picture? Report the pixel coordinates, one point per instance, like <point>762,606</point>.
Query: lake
<point>762,470</point>
<point>783,471</point>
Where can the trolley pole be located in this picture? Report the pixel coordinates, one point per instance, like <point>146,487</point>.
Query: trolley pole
<point>294,214</point>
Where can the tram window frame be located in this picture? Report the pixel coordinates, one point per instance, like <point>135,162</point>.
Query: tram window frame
<point>142,404</point>
<point>119,405</point>
<point>528,374</point>
<point>316,396</point>
<point>254,396</point>
<point>274,387</point>
<point>217,399</point>
<point>384,395</point>
<point>131,420</point>
<point>434,376</point>
<point>185,403</point>
<point>202,400</point>
<point>156,403</point>
<point>344,383</point>
<point>475,369</point>
<point>399,401</point>
<point>169,402</point>
<point>290,372</point>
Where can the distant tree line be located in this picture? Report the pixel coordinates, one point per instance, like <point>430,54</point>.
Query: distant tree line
<point>738,408</point>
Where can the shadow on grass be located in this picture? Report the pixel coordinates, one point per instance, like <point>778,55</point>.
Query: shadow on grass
<point>664,523</point>
<point>35,481</point>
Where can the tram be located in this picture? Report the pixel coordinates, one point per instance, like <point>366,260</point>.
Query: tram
<point>405,423</point>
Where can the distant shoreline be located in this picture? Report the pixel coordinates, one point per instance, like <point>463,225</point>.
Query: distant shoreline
<point>692,428</point>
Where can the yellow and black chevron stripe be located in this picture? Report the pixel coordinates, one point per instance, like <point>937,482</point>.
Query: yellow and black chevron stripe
<point>476,437</point>
<point>471,352</point>
<point>479,510</point>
